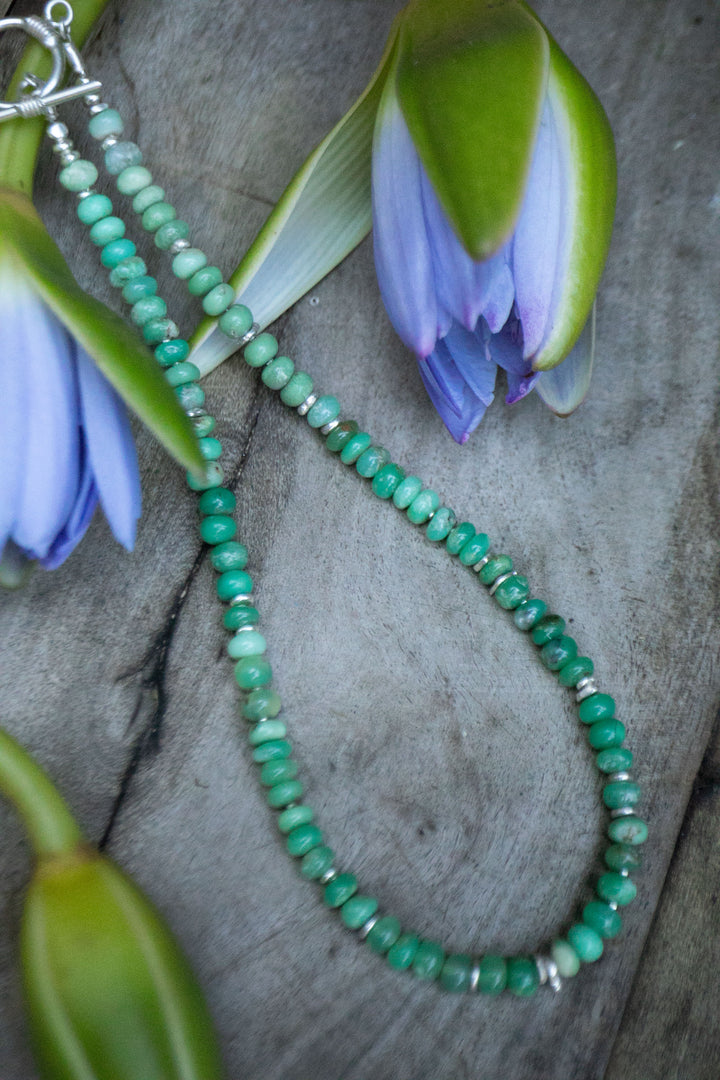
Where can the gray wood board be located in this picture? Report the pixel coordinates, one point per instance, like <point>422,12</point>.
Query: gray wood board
<point>445,767</point>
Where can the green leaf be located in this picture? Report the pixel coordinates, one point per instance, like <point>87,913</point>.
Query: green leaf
<point>471,82</point>
<point>113,345</point>
<point>321,216</point>
<point>565,386</point>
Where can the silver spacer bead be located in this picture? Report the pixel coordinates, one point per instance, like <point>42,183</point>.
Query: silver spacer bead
<point>84,194</point>
<point>195,413</point>
<point>474,977</point>
<point>612,904</point>
<point>618,776</point>
<point>477,567</point>
<point>585,688</point>
<point>57,130</point>
<point>68,156</point>
<point>304,409</point>
<point>108,141</point>
<point>548,972</point>
<point>498,581</point>
<point>624,872</point>
<point>328,876</point>
<point>240,598</point>
<point>327,428</point>
<point>249,336</point>
<point>243,629</point>
<point>179,245</point>
<point>367,927</point>
<point>430,516</point>
<point>96,105</point>
<point>263,720</point>
<point>623,811</point>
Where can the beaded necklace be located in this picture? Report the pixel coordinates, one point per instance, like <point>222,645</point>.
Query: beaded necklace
<point>271,752</point>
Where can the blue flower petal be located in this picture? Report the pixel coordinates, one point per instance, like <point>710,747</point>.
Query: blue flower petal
<point>472,361</point>
<point>472,410</point>
<point>449,380</point>
<point>76,526</point>
<point>12,429</point>
<point>497,289</point>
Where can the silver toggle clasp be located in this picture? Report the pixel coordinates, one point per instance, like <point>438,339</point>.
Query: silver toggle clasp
<point>53,32</point>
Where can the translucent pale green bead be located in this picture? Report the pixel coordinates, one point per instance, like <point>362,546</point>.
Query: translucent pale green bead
<point>294,817</point>
<point>617,759</point>
<point>596,707</point>
<point>316,863</point>
<point>94,208</point>
<point>401,955</point>
<point>282,794</point>
<point>229,556</point>
<point>602,919</point>
<point>278,372</point>
<point>78,175</point>
<point>213,475</point>
<point>428,960</point>
<point>455,973</point>
<point>188,262</point>
<point>217,501</point>
<point>341,435</point>
<point>441,525</point>
<point>258,352</point>
<point>149,196</point>
<point>575,670</point>
<point>547,628</point>
<point>121,156</point>
<point>325,409</point>
<point>192,396</point>
<point>512,592</point>
<point>236,321</point>
<point>407,490</point>
<point>354,447</point>
<point>621,793</point>
<point>128,270</point>
<point>278,771</point>
<point>204,280</point>
<point>170,233</point>
<point>614,888</point>
<point>499,564</point>
<point>529,613</point>
<point>275,750</point>
<point>523,978</point>
<point>153,307</point>
<point>217,528</point>
<point>423,506</point>
<point>268,731</point>
<point>107,229</point>
<point>628,830</point>
<point>133,179</point>
<point>139,289</point>
<point>107,122</point>
<point>387,479</point>
<point>262,703</point>
<point>371,461</point>
<point>240,615</point>
<point>171,352</point>
<point>303,839</point>
<point>116,252</point>
<point>298,387</point>
<point>605,734</point>
<point>340,889</point>
<point>474,549</point>
<point>558,652</point>
<point>586,942</point>
<point>356,911</point>
<point>459,536</point>
<point>252,672</point>
<point>203,425</point>
<point>157,330</point>
<point>248,643</point>
<point>493,975</point>
<point>160,213</point>
<point>622,857</point>
<point>232,582</point>
<point>384,934</point>
<point>211,449</point>
<point>567,960</point>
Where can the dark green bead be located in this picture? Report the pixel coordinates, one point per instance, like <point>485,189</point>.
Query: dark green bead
<point>204,280</point>
<point>371,460</point>
<point>459,536</point>
<point>354,447</point>
<point>303,839</point>
<point>384,934</point>
<point>441,525</point>
<point>316,863</point>
<point>575,670</point>
<point>115,252</point>
<point>621,793</point>
<point>283,793</point>
<point>586,942</point>
<point>623,857</point>
<point>179,374</point>
<point>217,500</point>
<point>275,750</point>
<point>614,888</point>
<point>217,528</point>
<point>493,975</point>
<point>231,583</point>
<point>170,352</point>
<point>252,672</point>
<point>356,911</point>
<point>240,615</point>
<point>229,556</point>
<point>474,550</point>
<point>264,703</point>
<point>509,594</point>
<point>596,707</point>
<point>340,889</point>
<point>293,817</point>
<point>156,330</point>
<point>401,955</point>
<point>386,480</point>
<point>340,435</point>
<point>455,974</point>
<point>616,760</point>
<point>604,734</point>
<point>277,771</point>
<point>602,919</point>
<point>529,614</point>
<point>628,830</point>
<point>547,628</point>
<point>523,978</point>
<point>558,652</point>
<point>499,564</point>
<point>428,960</point>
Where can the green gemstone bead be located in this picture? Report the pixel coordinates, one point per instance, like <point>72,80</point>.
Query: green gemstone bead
<point>614,888</point>
<point>529,613</point>
<point>78,175</point>
<point>202,426</point>
<point>204,280</point>
<point>459,537</point>
<point>192,396</point>
<point>340,889</point>
<point>604,734</point>
<point>217,501</point>
<point>298,387</point>
<point>597,707</point>
<point>474,550</point>
<point>171,352</point>
<point>303,839</point>
<point>121,156</point>
<point>160,213</point>
<point>268,731</point>
<point>278,372</point>
<point>240,615</point>
<point>407,490</point>
<point>523,978</point>
<point>623,857</point>
<point>236,321</point>
<point>401,955</point>
<point>263,702</point>
<point>249,643</point>
<point>251,672</point>
<point>355,447</point>
<point>428,960</point>
<point>512,592</point>
<point>154,307</point>
<point>621,793</point>
<point>384,934</point>
<point>616,760</point>
<point>316,863</point>
<point>423,506</point>
<point>263,349</point>
<point>356,911</point>
<point>294,816</point>
<point>275,750</point>
<point>371,461</point>
<point>94,208</point>
<point>493,975</point>
<point>628,830</point>
<point>586,942</point>
<point>217,528</point>
<point>133,179</point>
<point>602,919</point>
<point>558,652</point>
<point>387,479</point>
<point>547,628</point>
<point>156,330</point>
<point>325,410</point>
<point>218,299</point>
<point>107,122</point>
<point>232,582</point>
<point>441,525</point>
<point>286,792</point>
<point>455,973</point>
<point>494,568</point>
<point>575,670</point>
<point>229,556</point>
<point>567,960</point>
<point>188,262</point>
<point>213,475</point>
<point>116,252</point>
<point>278,772</point>
<point>106,230</point>
<point>139,289</point>
<point>340,435</point>
<point>149,196</point>
<point>211,449</point>
<point>169,234</point>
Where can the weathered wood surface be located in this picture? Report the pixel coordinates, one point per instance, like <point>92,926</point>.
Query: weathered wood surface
<point>447,770</point>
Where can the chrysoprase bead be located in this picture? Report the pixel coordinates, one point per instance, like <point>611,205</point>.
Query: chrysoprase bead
<point>628,830</point>
<point>121,156</point>
<point>401,955</point>
<point>278,372</point>
<point>294,816</point>
<point>499,564</point>
<point>441,525</point>
<point>567,960</point>
<point>354,447</point>
<point>455,973</point>
<point>153,307</point>
<point>169,234</point>
<point>371,460</point>
<point>262,703</point>
<point>384,934</point>
<point>523,978</point>
<point>128,270</point>
<point>547,628</point>
<point>575,670</point>
<point>149,196</point>
<point>218,299</point>
<point>213,474</point>
<point>493,975</point>
<point>160,213</point>
<point>116,252</point>
<point>356,911</point>
<point>459,536</point>
<point>474,549</point>
<point>240,615</point>
<point>78,175</point>
<point>202,426</point>
<point>107,229</point>
<point>133,179</point>
<point>217,528</point>
<point>428,960</point>
<point>107,122</point>
<point>387,479</point>
<point>298,387</point>
<point>340,435</point>
<point>316,863</point>
<point>286,792</point>
<point>217,501</point>
<point>512,592</point>
<point>275,750</point>
<point>597,707</point>
<point>188,262</point>
<point>211,448</point>
<point>619,759</point>
<point>204,280</point>
<point>423,506</point>
<point>157,330</point>
<point>94,208</point>
<point>263,349</point>
<point>621,793</point>
<point>302,839</point>
<point>236,321</point>
<point>325,409</point>
<point>252,672</point>
<point>604,734</point>
<point>229,556</point>
<point>249,643</point>
<point>586,942</point>
<point>340,889</point>
<point>558,652</point>
<point>529,613</point>
<point>170,352</point>
<point>268,731</point>
<point>231,582</point>
<point>278,771</point>
<point>614,888</point>
<point>406,491</point>
<point>602,919</point>
<point>139,289</point>
<point>190,396</point>
<point>622,857</point>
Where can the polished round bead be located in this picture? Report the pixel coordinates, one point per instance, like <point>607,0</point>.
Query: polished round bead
<point>268,731</point>
<point>406,491</point>
<point>229,556</point>
<point>156,330</point>
<point>169,234</point>
<point>614,888</point>
<point>275,750</point>
<point>278,372</point>
<point>547,628</point>
<point>341,889</point>
<point>262,703</point>
<point>283,793</point>
<point>139,289</point>
<point>493,568</point>
<point>116,252</point>
<point>107,122</point>
<point>384,934</point>
<point>171,352</point>
<point>239,615</point>
<point>341,435</point>
<point>565,958</point>
<point>371,461</point>
<point>78,175</point>
<point>278,771</point>
<point>297,389</point>
<point>213,474</point>
<point>134,179</point>
<point>423,506</point>
<point>203,281</point>
<point>508,594</point>
<point>231,582</point>
<point>295,816</point>
<point>402,953</point>
<point>580,667</point>
<point>121,156</point>
<point>210,448</point>
<point>251,672</point>
<point>302,839</point>
<point>190,396</point>
<point>602,919</point>
<point>604,734</point>
<point>493,975</point>
<point>387,479</point>
<point>236,321</point>
<point>249,643</point>
<point>428,960</point>
<point>529,614</point>
<point>623,857</point>
<point>355,447</point>
<point>356,911</point>
<point>523,977</point>
<point>129,269</point>
<point>316,863</point>
<point>558,652</point>
<point>188,262</point>
<point>455,973</point>
<point>459,537</point>
<point>203,424</point>
<point>94,208</point>
<point>441,525</point>
<point>474,549</point>
<point>107,229</point>
<point>160,213</point>
<point>147,197</point>
<point>586,942</point>
<point>628,830</point>
<point>617,759</point>
<point>217,501</point>
<point>597,707</point>
<point>621,793</point>
<point>217,528</point>
<point>261,350</point>
<point>154,307</point>
<point>325,409</point>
